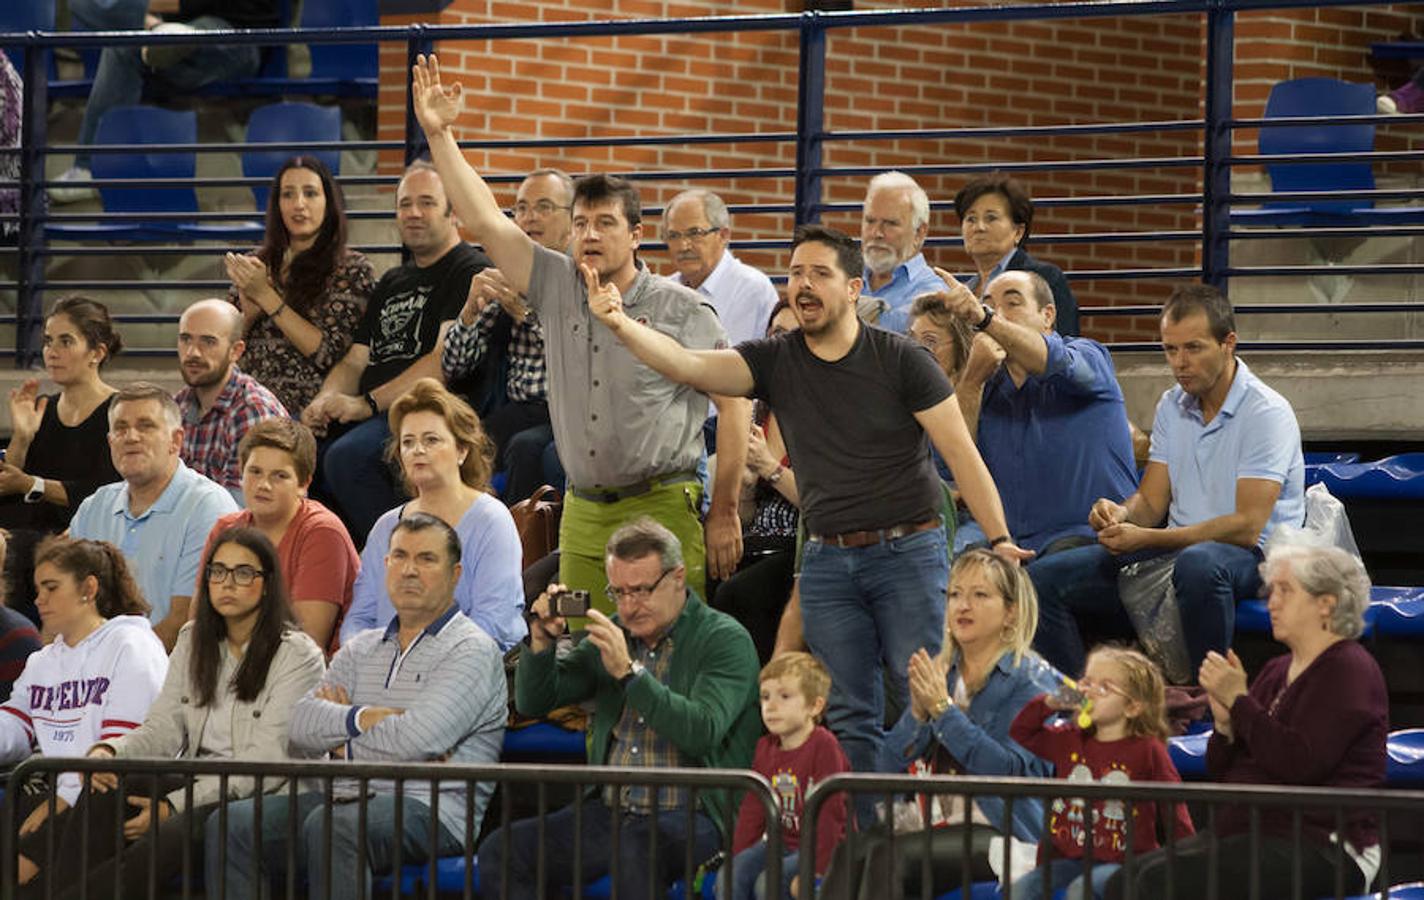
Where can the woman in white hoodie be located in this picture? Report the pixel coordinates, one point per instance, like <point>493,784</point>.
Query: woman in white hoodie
<point>94,682</point>
<point>236,673</point>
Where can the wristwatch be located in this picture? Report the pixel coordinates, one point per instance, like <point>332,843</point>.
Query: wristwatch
<point>774,477</point>
<point>36,492</point>
<point>634,670</point>
<point>988,317</point>
<point>942,707</point>
<point>371,402</point>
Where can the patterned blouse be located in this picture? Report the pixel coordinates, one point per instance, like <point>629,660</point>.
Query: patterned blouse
<point>11,93</point>
<point>284,370</point>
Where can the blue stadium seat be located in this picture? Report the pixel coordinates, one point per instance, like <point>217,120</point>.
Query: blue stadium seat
<point>1406,758</point>
<point>28,15</point>
<point>342,69</point>
<point>415,878</point>
<point>1188,754</point>
<point>1392,478</point>
<point>1321,97</point>
<point>149,125</point>
<point>1398,611</point>
<point>288,123</point>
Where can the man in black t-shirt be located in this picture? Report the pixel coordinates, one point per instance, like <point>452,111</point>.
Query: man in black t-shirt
<point>858,407</point>
<point>396,344</point>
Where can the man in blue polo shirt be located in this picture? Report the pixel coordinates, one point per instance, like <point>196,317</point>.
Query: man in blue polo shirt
<point>893,227</point>
<point>1049,420</point>
<point>1224,471</point>
<point>159,516</point>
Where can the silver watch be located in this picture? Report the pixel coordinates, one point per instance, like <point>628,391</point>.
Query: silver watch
<point>37,490</point>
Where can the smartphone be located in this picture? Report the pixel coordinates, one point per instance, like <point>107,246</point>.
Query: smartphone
<point>570,603</point>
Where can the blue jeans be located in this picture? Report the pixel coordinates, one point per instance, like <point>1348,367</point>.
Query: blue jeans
<point>521,840</point>
<point>354,474</point>
<point>1208,578</point>
<point>253,860</point>
<point>748,875</point>
<point>108,15</point>
<point>866,610</point>
<point>1064,873</point>
<point>120,78</point>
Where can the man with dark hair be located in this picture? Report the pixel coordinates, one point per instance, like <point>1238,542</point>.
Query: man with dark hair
<point>429,687</point>
<point>1047,412</point>
<point>494,314</point>
<point>396,345</point>
<point>674,683</point>
<point>220,402</point>
<point>1225,470</point>
<point>629,439</point>
<point>858,407</point>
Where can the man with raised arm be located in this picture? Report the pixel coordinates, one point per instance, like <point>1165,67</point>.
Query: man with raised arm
<point>629,439</point>
<point>858,407</point>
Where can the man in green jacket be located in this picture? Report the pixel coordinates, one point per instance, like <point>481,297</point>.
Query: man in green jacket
<point>674,684</point>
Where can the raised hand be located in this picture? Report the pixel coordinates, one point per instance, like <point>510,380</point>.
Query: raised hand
<point>27,408</point>
<point>604,299</point>
<point>437,106</point>
<point>959,299</point>
<point>759,458</point>
<point>985,357</point>
<point>247,273</point>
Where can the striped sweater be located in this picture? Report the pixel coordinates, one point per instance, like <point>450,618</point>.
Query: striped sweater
<point>449,682</point>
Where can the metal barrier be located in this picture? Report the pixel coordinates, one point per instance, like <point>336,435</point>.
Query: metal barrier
<point>1020,790</point>
<point>810,139</point>
<point>304,777</point>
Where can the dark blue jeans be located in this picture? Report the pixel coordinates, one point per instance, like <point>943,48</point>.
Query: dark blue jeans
<point>1076,584</point>
<point>866,610</point>
<point>635,836</point>
<point>355,477</point>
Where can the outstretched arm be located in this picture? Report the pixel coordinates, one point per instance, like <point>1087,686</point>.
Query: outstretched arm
<point>437,106</point>
<point>710,371</point>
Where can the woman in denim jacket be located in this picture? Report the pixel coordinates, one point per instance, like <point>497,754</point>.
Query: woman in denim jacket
<point>961,706</point>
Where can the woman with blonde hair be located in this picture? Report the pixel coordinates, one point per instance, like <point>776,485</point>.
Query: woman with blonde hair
<point>962,701</point>
<point>446,459</point>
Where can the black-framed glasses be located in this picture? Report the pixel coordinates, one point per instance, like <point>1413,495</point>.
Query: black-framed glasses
<point>544,208</point>
<point>242,575</point>
<point>692,234</point>
<point>641,592</point>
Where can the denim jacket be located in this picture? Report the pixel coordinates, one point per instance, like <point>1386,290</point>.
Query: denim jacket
<point>980,740</point>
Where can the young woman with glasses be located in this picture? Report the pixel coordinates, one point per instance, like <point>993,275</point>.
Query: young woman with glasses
<point>236,672</point>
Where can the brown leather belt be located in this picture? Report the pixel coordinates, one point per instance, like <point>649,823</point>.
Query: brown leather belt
<point>868,538</point>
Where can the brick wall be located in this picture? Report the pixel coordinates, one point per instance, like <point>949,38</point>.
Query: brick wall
<point>990,74</point>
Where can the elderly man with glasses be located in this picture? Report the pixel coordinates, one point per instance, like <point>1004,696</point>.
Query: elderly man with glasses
<point>674,684</point>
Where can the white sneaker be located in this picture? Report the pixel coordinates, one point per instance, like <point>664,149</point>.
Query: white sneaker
<point>80,190</point>
<point>1385,105</point>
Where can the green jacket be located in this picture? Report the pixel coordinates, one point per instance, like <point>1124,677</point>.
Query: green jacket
<point>709,708</point>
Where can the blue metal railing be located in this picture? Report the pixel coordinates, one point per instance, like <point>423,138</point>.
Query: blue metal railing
<point>810,139</point>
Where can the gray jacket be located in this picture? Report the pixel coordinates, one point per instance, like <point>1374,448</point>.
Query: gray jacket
<point>259,728</point>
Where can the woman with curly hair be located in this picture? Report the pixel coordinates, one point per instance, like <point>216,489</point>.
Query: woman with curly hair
<point>303,291</point>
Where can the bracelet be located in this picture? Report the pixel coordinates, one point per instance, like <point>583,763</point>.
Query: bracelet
<point>376,410</point>
<point>281,305</point>
<point>1001,539</point>
<point>775,476</point>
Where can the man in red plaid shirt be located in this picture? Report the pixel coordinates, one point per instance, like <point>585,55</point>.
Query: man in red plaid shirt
<point>219,403</point>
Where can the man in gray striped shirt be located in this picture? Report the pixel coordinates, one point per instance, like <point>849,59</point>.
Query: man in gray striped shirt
<point>429,687</point>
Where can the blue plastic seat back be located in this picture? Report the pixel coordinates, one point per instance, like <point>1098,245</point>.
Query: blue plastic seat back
<point>147,125</point>
<point>289,123</point>
<point>1320,97</point>
<point>27,15</point>
<point>342,61</point>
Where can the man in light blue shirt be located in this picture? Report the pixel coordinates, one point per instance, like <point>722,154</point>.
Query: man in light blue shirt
<point>893,227</point>
<point>159,516</point>
<point>1225,469</point>
<point>697,229</point>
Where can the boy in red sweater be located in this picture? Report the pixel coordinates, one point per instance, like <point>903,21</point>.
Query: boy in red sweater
<point>795,755</point>
<point>1124,742</point>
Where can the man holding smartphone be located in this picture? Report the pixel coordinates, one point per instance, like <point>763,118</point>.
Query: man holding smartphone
<point>675,685</point>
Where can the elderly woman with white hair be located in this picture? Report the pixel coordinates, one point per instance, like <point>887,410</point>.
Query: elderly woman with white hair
<point>1316,716</point>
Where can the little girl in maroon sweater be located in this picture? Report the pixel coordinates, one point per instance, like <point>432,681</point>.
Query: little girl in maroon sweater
<point>1118,739</point>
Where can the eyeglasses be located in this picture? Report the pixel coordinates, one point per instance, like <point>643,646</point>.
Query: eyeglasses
<point>692,234</point>
<point>1099,688</point>
<point>544,208</point>
<point>640,593</point>
<point>242,575</point>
